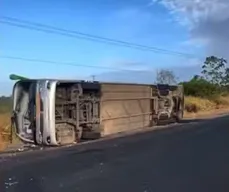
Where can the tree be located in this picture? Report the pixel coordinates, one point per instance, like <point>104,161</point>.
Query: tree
<point>214,70</point>
<point>225,81</point>
<point>166,77</point>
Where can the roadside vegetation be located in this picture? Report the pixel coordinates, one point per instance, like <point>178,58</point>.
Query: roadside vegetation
<point>206,93</point>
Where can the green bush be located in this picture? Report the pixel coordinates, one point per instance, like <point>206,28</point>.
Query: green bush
<point>199,87</point>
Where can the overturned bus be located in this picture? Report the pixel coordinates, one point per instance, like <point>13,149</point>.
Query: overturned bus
<point>58,112</point>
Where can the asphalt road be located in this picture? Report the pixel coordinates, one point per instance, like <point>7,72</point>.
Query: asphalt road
<point>193,157</point>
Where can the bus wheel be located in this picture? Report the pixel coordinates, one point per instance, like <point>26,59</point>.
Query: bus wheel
<point>154,122</point>
<point>179,116</point>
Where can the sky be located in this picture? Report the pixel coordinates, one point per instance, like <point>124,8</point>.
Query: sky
<point>196,27</point>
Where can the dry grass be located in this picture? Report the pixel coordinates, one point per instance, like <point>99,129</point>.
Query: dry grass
<point>195,104</point>
<point>199,107</point>
<point>4,130</point>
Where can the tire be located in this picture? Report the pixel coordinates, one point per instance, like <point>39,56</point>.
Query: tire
<point>154,122</point>
<point>179,116</point>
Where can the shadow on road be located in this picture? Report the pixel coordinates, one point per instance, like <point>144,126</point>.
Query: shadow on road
<point>169,122</point>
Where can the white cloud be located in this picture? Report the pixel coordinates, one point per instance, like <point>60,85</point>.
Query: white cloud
<point>207,20</point>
